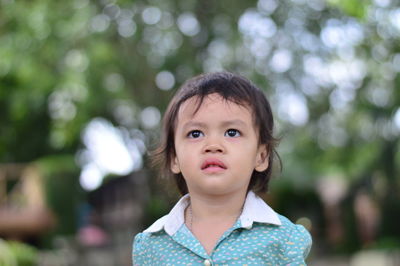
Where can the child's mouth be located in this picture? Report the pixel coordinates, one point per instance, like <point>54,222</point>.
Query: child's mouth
<point>213,165</point>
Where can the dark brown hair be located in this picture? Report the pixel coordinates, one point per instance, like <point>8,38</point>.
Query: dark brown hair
<point>230,87</point>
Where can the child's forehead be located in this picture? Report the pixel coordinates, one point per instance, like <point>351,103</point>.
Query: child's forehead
<point>211,101</point>
<point>213,107</point>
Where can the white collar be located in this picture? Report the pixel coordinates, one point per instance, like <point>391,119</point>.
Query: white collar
<point>254,210</point>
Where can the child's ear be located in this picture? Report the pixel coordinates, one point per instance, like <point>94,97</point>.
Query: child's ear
<point>262,161</point>
<point>175,168</point>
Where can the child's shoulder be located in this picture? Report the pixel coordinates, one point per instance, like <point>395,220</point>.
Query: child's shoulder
<point>293,236</point>
<point>292,241</point>
<point>143,240</point>
<point>292,230</point>
<point>285,233</point>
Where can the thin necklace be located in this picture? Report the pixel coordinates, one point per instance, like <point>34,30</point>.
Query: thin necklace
<point>191,216</point>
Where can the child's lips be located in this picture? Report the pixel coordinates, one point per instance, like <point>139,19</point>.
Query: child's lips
<point>213,165</point>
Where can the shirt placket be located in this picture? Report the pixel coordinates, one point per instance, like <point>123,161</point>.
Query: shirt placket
<point>186,239</point>
<point>222,238</point>
<point>184,236</point>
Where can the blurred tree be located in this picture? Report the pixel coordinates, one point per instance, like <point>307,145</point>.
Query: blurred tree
<point>330,69</point>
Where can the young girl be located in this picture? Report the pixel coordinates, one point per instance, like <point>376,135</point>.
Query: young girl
<point>217,143</point>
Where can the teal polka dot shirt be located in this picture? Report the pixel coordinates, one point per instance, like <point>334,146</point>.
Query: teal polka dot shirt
<point>260,236</point>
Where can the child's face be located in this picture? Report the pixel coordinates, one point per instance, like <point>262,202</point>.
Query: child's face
<point>217,147</point>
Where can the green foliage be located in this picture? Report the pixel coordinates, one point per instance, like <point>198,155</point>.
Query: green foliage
<point>62,191</point>
<point>388,243</point>
<point>63,63</point>
<point>17,254</point>
<point>355,8</point>
<point>156,207</point>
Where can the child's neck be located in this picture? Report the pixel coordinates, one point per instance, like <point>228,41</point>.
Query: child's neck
<point>209,217</point>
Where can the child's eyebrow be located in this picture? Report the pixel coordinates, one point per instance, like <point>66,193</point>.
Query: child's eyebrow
<point>234,122</point>
<point>191,124</point>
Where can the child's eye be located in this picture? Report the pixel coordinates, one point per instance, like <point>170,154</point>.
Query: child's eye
<point>194,134</point>
<point>232,133</point>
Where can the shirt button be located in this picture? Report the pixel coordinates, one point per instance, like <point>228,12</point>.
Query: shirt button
<point>207,263</point>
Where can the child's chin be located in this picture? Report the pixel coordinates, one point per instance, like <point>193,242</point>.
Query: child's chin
<point>214,170</point>
<point>216,189</point>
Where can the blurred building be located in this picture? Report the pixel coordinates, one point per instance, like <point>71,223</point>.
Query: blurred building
<point>24,214</point>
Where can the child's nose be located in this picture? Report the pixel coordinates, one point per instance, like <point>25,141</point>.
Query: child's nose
<point>214,148</point>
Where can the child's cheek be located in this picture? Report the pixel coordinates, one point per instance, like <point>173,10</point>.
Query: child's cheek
<point>238,140</point>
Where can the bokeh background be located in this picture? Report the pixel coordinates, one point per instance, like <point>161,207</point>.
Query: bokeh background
<point>83,85</point>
